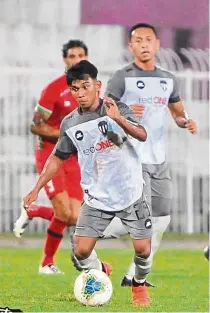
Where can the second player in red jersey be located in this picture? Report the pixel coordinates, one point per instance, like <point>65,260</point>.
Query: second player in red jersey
<point>56,102</point>
<point>64,189</point>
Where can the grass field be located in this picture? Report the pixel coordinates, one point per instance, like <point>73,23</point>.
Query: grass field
<point>181,276</point>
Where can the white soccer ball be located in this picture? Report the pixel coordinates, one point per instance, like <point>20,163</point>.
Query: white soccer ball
<point>93,288</point>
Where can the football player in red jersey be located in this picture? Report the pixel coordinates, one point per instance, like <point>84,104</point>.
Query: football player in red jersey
<point>64,189</point>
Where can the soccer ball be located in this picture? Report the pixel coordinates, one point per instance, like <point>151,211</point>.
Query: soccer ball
<point>206,252</point>
<point>93,287</point>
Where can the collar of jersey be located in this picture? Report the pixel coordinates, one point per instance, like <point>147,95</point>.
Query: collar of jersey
<point>96,110</point>
<point>140,69</point>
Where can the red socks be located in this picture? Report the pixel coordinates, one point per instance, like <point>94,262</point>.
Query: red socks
<point>54,232</point>
<point>54,236</point>
<point>44,212</point>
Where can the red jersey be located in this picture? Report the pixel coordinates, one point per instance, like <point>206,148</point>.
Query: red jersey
<point>56,99</point>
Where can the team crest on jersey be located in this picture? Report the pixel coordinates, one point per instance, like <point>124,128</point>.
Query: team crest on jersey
<point>140,84</point>
<point>103,127</point>
<point>67,103</point>
<point>164,85</point>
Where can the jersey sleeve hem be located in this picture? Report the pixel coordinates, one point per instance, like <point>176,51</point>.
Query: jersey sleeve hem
<point>174,100</point>
<point>42,109</point>
<point>61,155</point>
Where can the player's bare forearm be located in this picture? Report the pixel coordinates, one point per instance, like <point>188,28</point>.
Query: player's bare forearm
<point>45,131</point>
<point>41,128</point>
<point>179,114</point>
<point>132,129</point>
<point>51,167</point>
<point>181,117</point>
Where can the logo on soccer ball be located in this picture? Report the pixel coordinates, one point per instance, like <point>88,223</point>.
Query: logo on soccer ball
<point>148,223</point>
<point>164,85</point>
<point>103,127</point>
<point>79,135</point>
<point>140,84</point>
<point>92,286</point>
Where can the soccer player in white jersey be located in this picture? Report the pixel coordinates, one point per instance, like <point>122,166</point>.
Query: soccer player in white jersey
<point>150,91</point>
<point>106,136</point>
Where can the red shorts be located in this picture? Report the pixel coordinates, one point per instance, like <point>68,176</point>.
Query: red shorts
<point>68,177</point>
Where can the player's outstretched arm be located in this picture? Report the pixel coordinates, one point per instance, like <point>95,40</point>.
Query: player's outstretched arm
<point>51,167</point>
<point>181,117</point>
<point>133,129</point>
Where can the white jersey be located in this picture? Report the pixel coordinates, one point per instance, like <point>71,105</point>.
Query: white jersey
<point>111,174</point>
<point>154,89</point>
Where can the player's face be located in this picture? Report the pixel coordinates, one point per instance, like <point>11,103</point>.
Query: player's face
<point>86,92</point>
<point>75,55</point>
<point>144,44</point>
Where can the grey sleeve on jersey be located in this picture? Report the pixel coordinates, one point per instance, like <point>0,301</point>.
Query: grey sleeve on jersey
<point>127,113</point>
<point>175,97</point>
<point>116,86</point>
<point>64,147</point>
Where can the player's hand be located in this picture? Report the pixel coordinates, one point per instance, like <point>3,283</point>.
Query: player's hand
<point>138,109</point>
<point>192,127</point>
<point>111,108</point>
<point>31,197</point>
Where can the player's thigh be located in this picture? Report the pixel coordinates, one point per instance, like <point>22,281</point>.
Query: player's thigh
<point>161,184</point>
<point>55,189</point>
<point>137,219</point>
<point>61,205</point>
<point>58,183</point>
<point>161,187</point>
<point>147,185</point>
<point>74,189</point>
<point>161,206</point>
<point>73,179</point>
<point>92,222</point>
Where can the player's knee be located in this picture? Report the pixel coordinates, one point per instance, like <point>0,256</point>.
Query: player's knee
<point>63,214</point>
<point>75,210</point>
<point>82,249</point>
<point>143,250</point>
<point>81,252</point>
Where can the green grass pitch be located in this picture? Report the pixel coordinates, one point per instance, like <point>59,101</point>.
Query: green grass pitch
<point>181,277</point>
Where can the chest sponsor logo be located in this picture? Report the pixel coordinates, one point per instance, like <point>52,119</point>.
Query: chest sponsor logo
<point>140,84</point>
<point>100,146</point>
<point>79,135</point>
<point>164,85</point>
<point>157,100</point>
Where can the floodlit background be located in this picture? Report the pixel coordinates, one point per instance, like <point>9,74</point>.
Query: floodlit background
<point>32,34</point>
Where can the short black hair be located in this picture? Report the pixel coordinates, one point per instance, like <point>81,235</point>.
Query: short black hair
<point>81,71</point>
<point>73,44</point>
<point>142,25</point>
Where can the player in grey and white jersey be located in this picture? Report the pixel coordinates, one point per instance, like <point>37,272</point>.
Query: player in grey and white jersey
<point>150,91</point>
<point>106,136</point>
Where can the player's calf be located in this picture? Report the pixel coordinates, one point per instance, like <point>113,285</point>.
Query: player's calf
<point>143,263</point>
<point>140,295</point>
